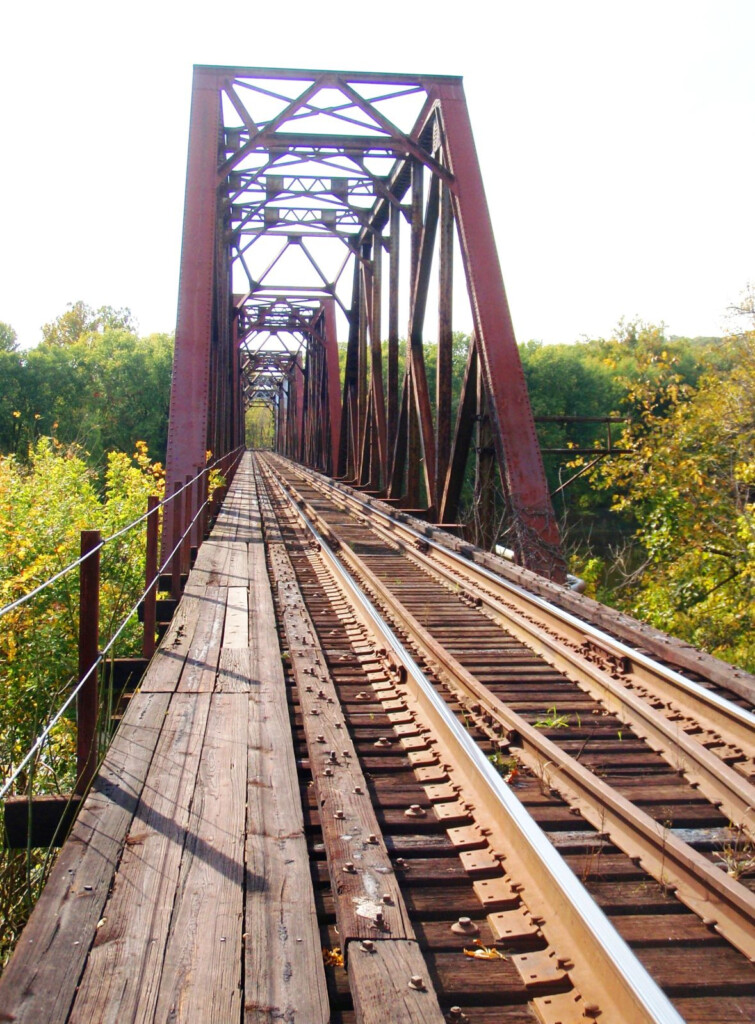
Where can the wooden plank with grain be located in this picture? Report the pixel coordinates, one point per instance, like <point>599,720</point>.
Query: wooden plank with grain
<point>234,670</point>
<point>121,980</point>
<point>201,974</point>
<point>236,632</point>
<point>369,904</point>
<point>40,980</point>
<point>389,982</point>
<point>284,972</point>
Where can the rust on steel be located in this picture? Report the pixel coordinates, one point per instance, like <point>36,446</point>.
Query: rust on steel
<point>327,202</point>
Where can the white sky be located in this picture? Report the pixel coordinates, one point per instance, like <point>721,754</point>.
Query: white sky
<point>617,143</point>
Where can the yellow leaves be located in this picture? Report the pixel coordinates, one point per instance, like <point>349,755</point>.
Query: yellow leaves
<point>16,414</point>
<point>484,952</point>
<point>332,957</point>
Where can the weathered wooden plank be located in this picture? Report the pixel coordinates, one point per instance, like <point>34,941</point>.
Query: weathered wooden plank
<point>236,632</point>
<point>234,670</point>
<point>389,982</point>
<point>369,903</point>
<point>200,670</point>
<point>201,975</point>
<point>122,975</point>
<point>284,973</point>
<point>40,981</point>
<point>184,660</point>
<point>210,568</point>
<point>262,643</point>
<point>237,570</point>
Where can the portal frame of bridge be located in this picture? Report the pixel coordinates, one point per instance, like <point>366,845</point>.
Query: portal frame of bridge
<point>374,184</point>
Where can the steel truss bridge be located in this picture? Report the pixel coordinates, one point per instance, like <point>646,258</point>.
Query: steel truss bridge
<point>328,210</point>
<point>374,773</point>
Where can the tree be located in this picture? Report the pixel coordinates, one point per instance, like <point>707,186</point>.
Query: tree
<point>80,319</point>
<point>689,482</point>
<point>104,392</point>
<point>8,338</point>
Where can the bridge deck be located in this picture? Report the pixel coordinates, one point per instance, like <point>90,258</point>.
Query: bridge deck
<point>182,891</point>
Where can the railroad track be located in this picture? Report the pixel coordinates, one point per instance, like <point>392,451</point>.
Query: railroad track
<point>643,787</point>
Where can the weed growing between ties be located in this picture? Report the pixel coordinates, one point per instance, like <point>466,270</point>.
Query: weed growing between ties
<point>737,856</point>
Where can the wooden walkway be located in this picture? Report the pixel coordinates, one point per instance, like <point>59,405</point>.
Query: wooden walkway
<point>184,890</point>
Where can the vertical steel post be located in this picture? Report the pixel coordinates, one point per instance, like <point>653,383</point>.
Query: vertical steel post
<point>334,382</point>
<point>204,511</point>
<point>536,531</point>
<point>393,310</point>
<point>187,514</point>
<point>150,574</point>
<point>191,385</point>
<point>88,699</point>
<point>175,562</point>
<point>444,380</point>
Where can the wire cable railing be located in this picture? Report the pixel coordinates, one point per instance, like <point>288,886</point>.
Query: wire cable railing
<point>18,602</point>
<point>153,576</point>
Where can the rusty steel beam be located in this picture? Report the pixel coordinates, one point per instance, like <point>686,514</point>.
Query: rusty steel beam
<point>297,183</point>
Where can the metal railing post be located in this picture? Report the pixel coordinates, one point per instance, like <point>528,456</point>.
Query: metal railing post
<point>87,701</point>
<point>186,542</point>
<point>175,563</point>
<point>150,573</point>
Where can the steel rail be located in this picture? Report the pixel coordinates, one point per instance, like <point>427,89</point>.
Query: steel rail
<point>717,899</point>
<point>741,718</point>
<point>630,993</point>
<point>609,669</point>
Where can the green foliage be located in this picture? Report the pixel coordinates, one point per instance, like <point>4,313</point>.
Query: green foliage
<point>80,319</point>
<point>551,719</point>
<point>45,501</point>
<point>102,392</point>
<point>259,426</point>
<point>38,641</point>
<point>689,483</point>
<point>8,338</point>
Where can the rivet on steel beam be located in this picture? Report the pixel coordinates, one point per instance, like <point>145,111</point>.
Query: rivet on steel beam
<point>358,790</point>
<point>591,1011</point>
<point>387,898</point>
<point>349,868</point>
<point>417,983</point>
<point>465,926</point>
<point>382,741</point>
<point>320,738</point>
<point>379,919</point>
<point>346,753</point>
<point>367,945</point>
<point>338,815</point>
<point>415,811</point>
<point>372,838</point>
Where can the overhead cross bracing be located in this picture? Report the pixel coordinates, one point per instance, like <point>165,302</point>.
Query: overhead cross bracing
<point>327,206</point>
